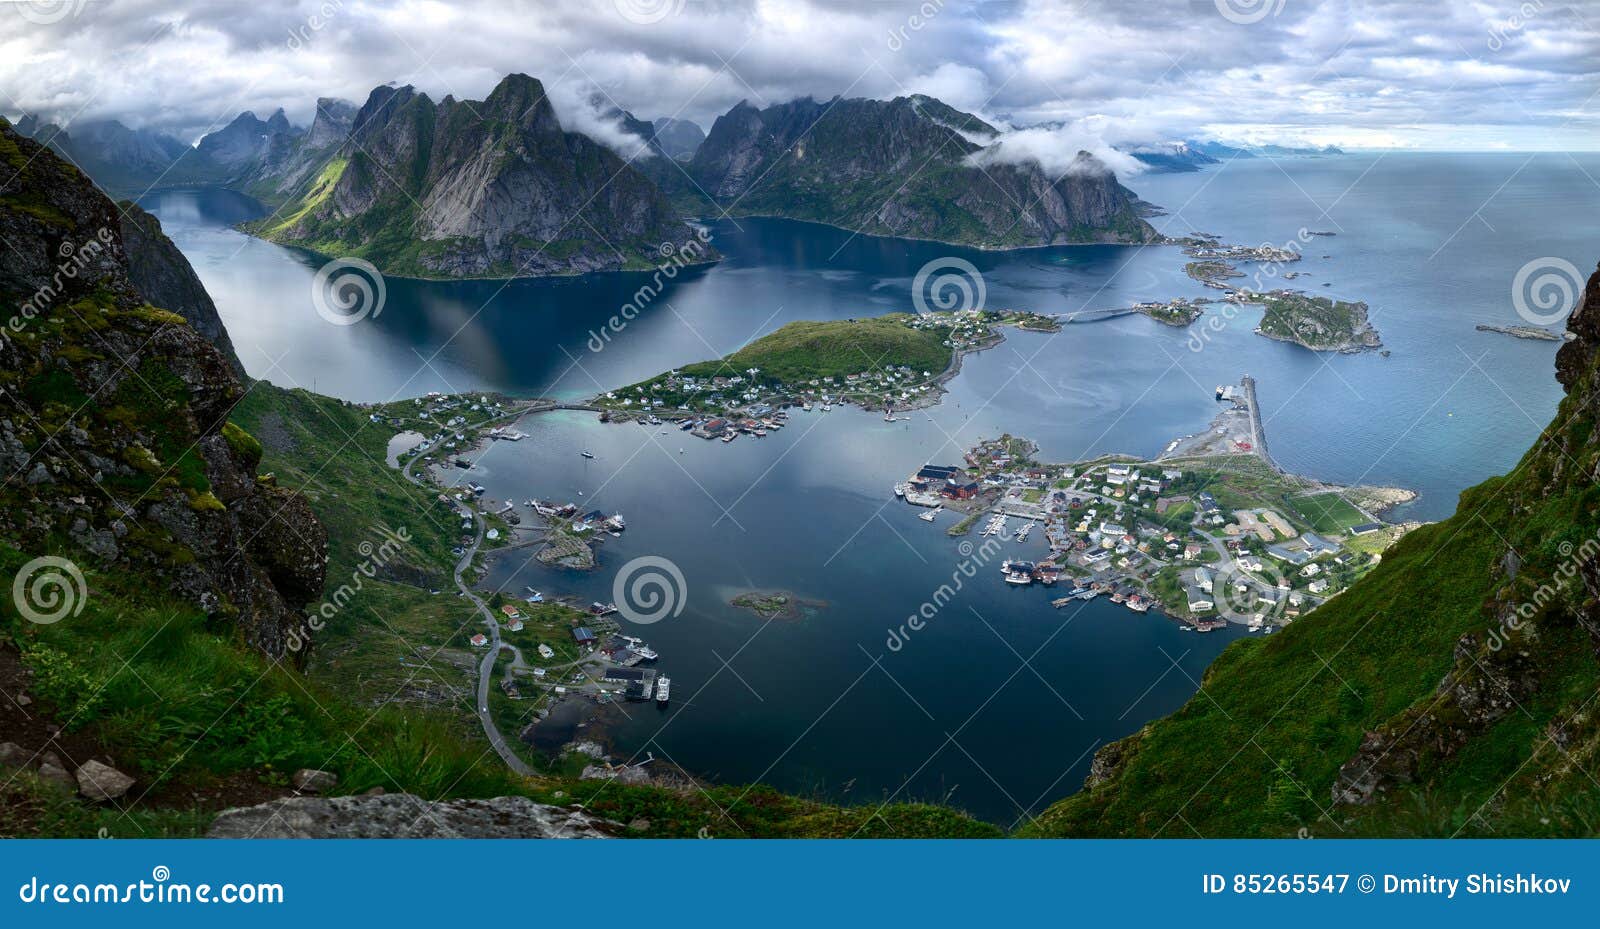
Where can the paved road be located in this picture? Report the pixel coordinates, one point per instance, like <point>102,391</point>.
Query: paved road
<point>486,666</point>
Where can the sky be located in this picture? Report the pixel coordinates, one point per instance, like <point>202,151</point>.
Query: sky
<point>1421,74</point>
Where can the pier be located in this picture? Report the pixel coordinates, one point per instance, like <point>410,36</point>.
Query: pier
<point>1258,435</point>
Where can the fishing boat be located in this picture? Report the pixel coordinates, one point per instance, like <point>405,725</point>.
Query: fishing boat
<point>928,516</point>
<point>663,687</point>
<point>587,454</point>
<point>901,488</point>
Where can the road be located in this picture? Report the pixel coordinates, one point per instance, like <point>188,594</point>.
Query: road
<point>486,666</point>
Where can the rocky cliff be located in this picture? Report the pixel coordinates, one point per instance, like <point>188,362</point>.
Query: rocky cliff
<point>115,443</point>
<point>907,167</point>
<point>491,188</point>
<point>1452,691</point>
<point>160,273</point>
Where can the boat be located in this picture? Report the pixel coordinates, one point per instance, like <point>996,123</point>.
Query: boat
<point>587,454</point>
<point>928,516</point>
<point>806,407</point>
<point>761,433</point>
<point>653,419</point>
<point>728,437</point>
<point>663,686</point>
<point>901,488</point>
<point>1018,572</point>
<point>602,609</point>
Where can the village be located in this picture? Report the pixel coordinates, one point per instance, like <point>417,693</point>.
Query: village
<point>722,401</point>
<point>1203,538</point>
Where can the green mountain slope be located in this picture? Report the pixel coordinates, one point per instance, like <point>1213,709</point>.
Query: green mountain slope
<point>1452,691</point>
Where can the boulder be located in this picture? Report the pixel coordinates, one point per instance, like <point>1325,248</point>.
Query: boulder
<point>13,755</point>
<point>395,816</point>
<point>57,776</point>
<point>101,782</point>
<point>313,781</point>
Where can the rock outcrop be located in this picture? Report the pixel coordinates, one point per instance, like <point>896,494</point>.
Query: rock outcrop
<point>117,418</point>
<point>165,278</point>
<point>912,167</point>
<point>403,816</point>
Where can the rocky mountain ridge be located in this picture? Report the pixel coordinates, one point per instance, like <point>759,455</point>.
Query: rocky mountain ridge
<point>907,167</point>
<point>491,188</point>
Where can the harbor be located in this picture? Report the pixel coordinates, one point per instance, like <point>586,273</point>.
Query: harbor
<point>1151,534</point>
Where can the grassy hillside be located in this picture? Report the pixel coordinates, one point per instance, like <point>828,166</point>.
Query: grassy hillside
<point>1456,682</point>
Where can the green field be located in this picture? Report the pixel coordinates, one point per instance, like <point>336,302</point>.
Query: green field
<point>1327,512</point>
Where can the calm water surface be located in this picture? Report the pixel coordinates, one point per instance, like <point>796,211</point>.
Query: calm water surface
<point>999,702</point>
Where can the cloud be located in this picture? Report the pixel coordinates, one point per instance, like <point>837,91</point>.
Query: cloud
<point>1338,70</point>
<point>1057,150</point>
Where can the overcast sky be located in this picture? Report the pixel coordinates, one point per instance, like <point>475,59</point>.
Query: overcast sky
<point>1360,73</point>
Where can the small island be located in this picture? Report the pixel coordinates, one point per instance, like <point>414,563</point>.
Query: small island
<point>894,363</point>
<point>1318,323</point>
<point>776,604</point>
<point>1535,333</point>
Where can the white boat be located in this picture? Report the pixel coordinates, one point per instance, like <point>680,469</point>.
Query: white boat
<point>587,454</point>
<point>663,686</point>
<point>901,488</point>
<point>928,516</point>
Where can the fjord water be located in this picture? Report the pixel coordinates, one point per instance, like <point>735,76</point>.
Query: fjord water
<point>999,702</point>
